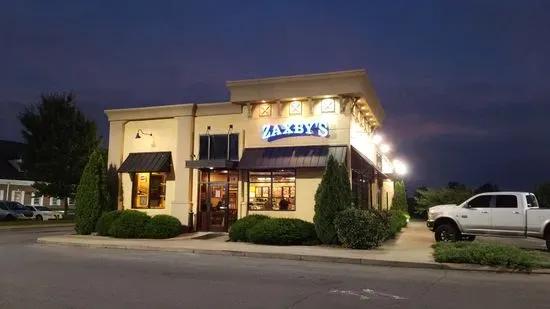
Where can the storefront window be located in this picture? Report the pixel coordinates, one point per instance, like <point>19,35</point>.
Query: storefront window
<point>216,146</point>
<point>149,190</point>
<point>274,190</point>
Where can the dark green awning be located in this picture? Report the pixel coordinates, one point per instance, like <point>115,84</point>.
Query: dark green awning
<point>147,162</point>
<point>291,157</point>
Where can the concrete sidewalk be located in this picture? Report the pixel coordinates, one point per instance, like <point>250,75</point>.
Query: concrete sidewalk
<point>411,248</point>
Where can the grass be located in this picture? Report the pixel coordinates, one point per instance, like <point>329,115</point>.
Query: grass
<point>34,222</point>
<point>490,254</point>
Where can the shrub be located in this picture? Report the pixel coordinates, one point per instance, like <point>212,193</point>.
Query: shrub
<point>361,228</point>
<point>130,224</point>
<point>240,228</point>
<point>283,232</point>
<point>394,220</point>
<point>92,196</point>
<point>487,253</point>
<point>105,221</point>
<point>163,226</point>
<point>333,195</point>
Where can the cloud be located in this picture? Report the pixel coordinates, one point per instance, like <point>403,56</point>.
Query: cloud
<point>417,127</point>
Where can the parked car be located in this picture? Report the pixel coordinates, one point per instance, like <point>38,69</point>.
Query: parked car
<point>500,214</point>
<point>14,211</point>
<point>42,213</point>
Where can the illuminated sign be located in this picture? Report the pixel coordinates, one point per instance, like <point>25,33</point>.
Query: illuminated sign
<point>271,132</point>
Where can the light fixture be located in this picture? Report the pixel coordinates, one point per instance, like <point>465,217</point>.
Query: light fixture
<point>385,148</point>
<point>400,167</point>
<point>141,131</point>
<point>377,139</point>
<point>294,99</point>
<point>263,101</point>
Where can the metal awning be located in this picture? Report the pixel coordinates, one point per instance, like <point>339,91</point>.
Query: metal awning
<point>368,161</point>
<point>212,163</point>
<point>147,162</point>
<point>291,157</point>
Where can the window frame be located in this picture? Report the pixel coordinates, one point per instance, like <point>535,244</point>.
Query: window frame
<point>266,107</point>
<point>209,138</point>
<point>40,199</point>
<point>298,111</point>
<point>135,187</point>
<point>327,111</point>
<point>271,182</point>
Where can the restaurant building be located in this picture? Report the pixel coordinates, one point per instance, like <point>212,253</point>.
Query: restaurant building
<point>263,152</point>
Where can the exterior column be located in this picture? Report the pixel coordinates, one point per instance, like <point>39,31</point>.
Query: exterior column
<point>114,158</point>
<point>182,206</point>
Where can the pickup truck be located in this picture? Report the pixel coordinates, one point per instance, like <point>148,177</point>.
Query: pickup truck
<point>501,214</point>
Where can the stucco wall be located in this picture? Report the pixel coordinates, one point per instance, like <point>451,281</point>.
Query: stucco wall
<point>387,193</point>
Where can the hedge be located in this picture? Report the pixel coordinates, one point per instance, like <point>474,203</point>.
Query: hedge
<point>283,232</point>
<point>130,224</point>
<point>162,226</point>
<point>239,229</point>
<point>361,229</point>
<point>105,221</point>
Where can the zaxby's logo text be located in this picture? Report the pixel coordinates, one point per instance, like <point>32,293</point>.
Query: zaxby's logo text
<point>272,132</point>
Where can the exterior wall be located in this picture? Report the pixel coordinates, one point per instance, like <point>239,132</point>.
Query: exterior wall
<point>163,139</point>
<point>387,193</point>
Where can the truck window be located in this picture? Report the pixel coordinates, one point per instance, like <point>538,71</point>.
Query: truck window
<point>506,201</point>
<point>532,200</point>
<point>483,201</point>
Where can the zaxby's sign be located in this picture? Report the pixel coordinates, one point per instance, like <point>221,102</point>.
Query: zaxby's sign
<point>273,132</point>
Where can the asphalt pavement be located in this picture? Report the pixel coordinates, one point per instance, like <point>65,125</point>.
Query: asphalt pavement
<point>40,276</point>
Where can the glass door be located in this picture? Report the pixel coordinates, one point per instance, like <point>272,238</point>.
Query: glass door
<point>218,200</point>
<point>219,206</point>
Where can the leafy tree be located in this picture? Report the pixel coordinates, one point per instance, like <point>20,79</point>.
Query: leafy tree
<point>399,200</point>
<point>92,195</point>
<point>333,195</point>
<point>487,187</point>
<point>59,142</point>
<point>432,197</point>
<point>542,192</point>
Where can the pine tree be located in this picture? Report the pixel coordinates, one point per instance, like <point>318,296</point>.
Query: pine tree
<point>92,195</point>
<point>399,200</point>
<point>333,195</point>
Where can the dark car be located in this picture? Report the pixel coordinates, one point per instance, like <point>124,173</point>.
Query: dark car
<point>13,211</point>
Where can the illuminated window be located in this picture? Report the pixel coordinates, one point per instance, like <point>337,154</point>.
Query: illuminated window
<point>149,190</point>
<point>36,200</point>
<point>272,190</point>
<point>265,110</point>
<point>328,106</point>
<point>295,108</point>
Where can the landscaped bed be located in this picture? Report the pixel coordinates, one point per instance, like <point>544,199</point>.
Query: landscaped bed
<point>490,254</point>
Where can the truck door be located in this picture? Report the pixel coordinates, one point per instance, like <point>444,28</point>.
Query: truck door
<point>508,217</point>
<point>476,216</point>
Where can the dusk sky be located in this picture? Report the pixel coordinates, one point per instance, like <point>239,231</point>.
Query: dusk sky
<point>465,84</point>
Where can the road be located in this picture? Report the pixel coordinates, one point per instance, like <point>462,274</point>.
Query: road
<point>39,276</point>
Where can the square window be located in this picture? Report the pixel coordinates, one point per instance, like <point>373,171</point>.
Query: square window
<point>265,110</point>
<point>295,108</point>
<point>327,106</point>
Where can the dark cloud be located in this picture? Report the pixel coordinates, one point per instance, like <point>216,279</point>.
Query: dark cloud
<point>463,83</point>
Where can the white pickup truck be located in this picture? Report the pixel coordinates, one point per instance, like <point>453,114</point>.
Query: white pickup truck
<point>502,214</point>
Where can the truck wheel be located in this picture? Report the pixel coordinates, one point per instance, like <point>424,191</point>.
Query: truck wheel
<point>447,232</point>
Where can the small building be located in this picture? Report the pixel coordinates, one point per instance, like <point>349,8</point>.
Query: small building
<point>14,185</point>
<point>263,152</point>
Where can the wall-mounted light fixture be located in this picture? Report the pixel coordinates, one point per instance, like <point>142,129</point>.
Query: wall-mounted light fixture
<point>141,131</point>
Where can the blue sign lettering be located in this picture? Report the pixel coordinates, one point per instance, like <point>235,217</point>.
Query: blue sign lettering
<point>271,132</point>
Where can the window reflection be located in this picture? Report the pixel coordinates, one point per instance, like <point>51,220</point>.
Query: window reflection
<point>272,190</point>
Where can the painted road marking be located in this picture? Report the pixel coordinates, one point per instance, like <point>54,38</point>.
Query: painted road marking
<point>365,294</point>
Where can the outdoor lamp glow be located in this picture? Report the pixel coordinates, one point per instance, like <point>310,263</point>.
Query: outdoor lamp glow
<point>385,148</point>
<point>377,139</point>
<point>400,167</point>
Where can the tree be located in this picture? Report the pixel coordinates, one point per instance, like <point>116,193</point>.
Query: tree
<point>399,200</point>
<point>432,197</point>
<point>332,196</point>
<point>92,195</point>
<point>487,187</point>
<point>542,192</point>
<point>59,142</point>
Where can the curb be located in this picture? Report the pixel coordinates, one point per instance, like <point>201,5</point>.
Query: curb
<point>35,227</point>
<point>299,257</point>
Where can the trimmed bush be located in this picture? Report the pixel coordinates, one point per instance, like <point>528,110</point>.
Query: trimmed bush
<point>490,254</point>
<point>361,229</point>
<point>105,221</point>
<point>92,195</point>
<point>283,232</point>
<point>395,220</point>
<point>162,226</point>
<point>333,195</point>
<point>240,228</point>
<point>130,224</point>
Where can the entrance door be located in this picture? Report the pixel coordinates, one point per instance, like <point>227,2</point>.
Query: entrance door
<point>218,200</point>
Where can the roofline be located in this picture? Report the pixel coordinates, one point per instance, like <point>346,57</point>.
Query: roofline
<point>302,77</point>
